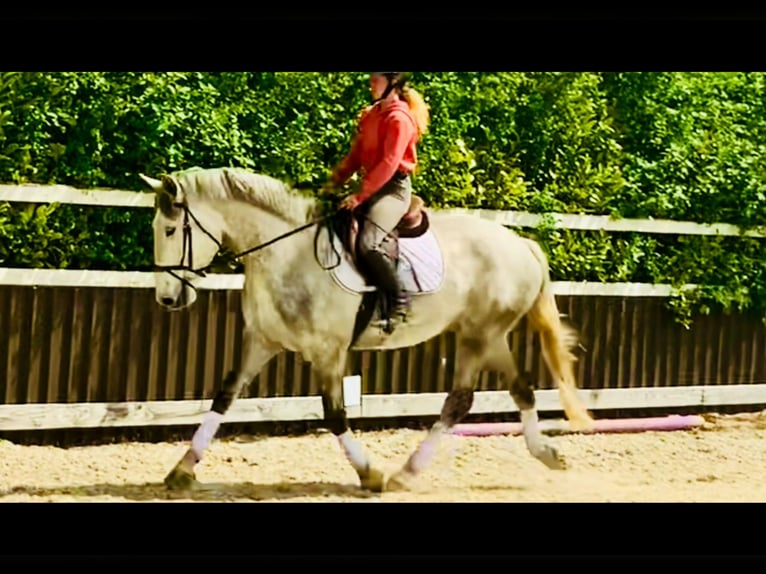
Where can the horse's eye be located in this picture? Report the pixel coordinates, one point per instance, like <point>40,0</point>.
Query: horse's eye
<point>169,231</point>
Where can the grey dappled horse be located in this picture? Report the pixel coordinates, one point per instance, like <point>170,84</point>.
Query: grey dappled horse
<point>490,278</point>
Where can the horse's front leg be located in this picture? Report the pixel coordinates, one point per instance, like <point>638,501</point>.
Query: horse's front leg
<point>256,353</point>
<point>330,374</point>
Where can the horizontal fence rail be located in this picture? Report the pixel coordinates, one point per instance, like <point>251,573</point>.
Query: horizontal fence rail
<point>30,193</point>
<point>120,198</point>
<point>282,409</point>
<point>235,281</point>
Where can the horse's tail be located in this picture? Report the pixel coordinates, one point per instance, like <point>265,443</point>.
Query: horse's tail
<point>558,341</point>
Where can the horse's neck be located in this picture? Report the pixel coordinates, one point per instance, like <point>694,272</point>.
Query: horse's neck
<point>248,227</point>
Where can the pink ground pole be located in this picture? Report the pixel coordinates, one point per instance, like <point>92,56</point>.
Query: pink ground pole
<point>668,423</point>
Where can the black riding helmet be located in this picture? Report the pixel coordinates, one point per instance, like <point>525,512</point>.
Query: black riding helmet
<point>395,79</point>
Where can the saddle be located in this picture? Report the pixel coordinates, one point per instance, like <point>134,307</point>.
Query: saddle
<point>347,226</point>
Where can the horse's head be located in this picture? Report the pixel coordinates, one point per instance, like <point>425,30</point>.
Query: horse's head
<point>186,239</point>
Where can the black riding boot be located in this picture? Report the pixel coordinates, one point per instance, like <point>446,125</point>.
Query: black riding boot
<point>386,279</point>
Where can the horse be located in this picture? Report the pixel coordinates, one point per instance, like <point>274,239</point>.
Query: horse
<point>468,275</point>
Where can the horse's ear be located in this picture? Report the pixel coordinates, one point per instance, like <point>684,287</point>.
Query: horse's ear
<point>166,191</point>
<point>163,185</point>
<point>154,184</point>
<point>169,185</point>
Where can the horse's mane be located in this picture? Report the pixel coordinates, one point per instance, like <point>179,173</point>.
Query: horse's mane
<point>266,192</point>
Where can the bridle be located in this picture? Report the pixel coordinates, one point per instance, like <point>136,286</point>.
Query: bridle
<point>186,250</point>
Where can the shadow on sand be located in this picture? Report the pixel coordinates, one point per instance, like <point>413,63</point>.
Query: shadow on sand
<point>207,492</point>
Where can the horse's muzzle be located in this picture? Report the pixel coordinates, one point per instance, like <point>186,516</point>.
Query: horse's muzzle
<point>186,296</point>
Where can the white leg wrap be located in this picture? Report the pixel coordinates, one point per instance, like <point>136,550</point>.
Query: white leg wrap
<point>211,420</point>
<point>531,428</point>
<point>354,451</point>
<point>426,450</point>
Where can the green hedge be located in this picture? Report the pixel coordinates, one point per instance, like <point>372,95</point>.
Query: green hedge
<point>684,146</point>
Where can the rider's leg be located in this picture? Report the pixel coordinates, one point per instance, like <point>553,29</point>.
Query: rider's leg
<point>385,211</point>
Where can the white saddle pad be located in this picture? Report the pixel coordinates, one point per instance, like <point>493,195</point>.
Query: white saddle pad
<point>421,265</point>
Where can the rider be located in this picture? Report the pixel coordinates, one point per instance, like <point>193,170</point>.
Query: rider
<point>384,148</point>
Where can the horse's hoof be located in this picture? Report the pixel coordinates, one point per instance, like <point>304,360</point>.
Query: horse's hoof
<point>583,425</point>
<point>375,480</point>
<point>551,458</point>
<point>181,479</point>
<point>399,482</point>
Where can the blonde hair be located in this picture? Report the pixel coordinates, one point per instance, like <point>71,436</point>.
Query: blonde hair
<point>418,107</point>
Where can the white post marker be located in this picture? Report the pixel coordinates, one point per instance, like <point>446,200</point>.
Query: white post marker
<point>352,391</point>
<point>352,400</point>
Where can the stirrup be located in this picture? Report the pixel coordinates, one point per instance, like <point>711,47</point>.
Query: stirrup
<point>387,325</point>
<point>402,306</point>
<point>398,315</point>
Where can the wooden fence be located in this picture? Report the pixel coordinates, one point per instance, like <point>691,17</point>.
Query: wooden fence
<point>92,349</point>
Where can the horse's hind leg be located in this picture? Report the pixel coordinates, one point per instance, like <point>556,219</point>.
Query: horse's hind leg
<point>469,357</point>
<point>256,353</point>
<point>329,370</point>
<point>557,341</point>
<point>500,359</point>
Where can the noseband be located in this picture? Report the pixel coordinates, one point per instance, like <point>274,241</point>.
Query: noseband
<point>186,250</point>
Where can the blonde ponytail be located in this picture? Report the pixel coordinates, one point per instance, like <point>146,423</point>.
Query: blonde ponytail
<point>418,107</point>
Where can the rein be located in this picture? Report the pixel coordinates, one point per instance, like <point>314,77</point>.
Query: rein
<point>187,245</point>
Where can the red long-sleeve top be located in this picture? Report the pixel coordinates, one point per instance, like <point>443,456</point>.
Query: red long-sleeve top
<point>384,144</point>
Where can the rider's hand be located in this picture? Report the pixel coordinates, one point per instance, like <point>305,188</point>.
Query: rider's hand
<point>351,202</point>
